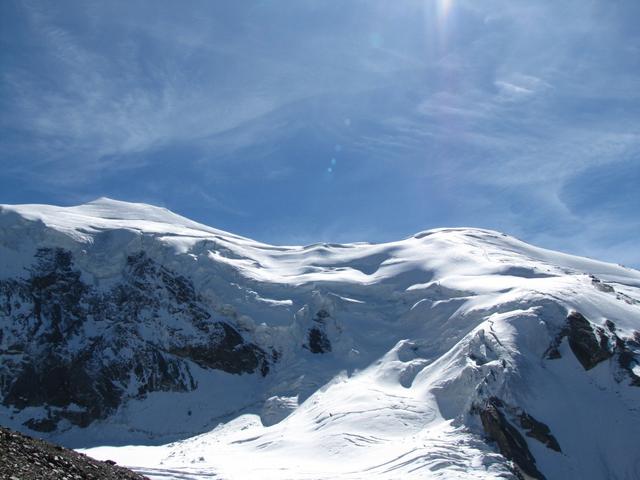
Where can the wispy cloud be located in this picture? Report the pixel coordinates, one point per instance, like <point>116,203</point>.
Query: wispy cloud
<point>492,113</point>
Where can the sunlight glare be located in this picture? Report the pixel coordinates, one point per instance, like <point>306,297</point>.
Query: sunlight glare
<point>443,8</point>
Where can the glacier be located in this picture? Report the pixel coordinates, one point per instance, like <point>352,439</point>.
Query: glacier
<point>454,353</point>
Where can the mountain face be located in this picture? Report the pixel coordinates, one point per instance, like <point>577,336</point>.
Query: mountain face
<point>71,344</point>
<point>455,353</point>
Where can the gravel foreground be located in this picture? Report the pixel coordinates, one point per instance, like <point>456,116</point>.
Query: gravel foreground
<point>27,458</point>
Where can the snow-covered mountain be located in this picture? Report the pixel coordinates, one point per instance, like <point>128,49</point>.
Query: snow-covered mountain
<point>455,353</point>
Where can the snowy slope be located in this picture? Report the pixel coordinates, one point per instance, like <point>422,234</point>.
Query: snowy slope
<point>455,353</point>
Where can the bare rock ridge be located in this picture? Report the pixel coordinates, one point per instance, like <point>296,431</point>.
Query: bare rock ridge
<point>510,442</point>
<point>504,425</point>
<point>27,458</point>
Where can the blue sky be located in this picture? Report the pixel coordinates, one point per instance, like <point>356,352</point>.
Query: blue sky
<point>303,121</point>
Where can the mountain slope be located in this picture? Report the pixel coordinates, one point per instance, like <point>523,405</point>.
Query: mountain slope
<point>31,459</point>
<point>453,353</point>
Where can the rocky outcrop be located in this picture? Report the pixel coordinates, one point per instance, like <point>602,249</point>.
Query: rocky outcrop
<point>510,442</point>
<point>317,338</point>
<point>228,352</point>
<point>592,344</point>
<point>538,430</point>
<point>80,351</point>
<point>589,344</point>
<point>628,355</point>
<point>26,458</point>
<point>600,285</point>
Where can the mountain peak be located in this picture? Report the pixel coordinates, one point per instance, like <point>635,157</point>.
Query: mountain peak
<point>109,208</point>
<point>109,214</point>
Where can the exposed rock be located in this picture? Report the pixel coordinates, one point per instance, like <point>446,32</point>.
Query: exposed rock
<point>600,285</point>
<point>553,351</point>
<point>592,344</point>
<point>538,430</point>
<point>589,345</point>
<point>228,352</point>
<point>628,351</point>
<point>318,341</point>
<point>64,343</point>
<point>532,427</point>
<point>27,458</point>
<point>511,443</point>
<point>609,325</point>
<point>317,338</point>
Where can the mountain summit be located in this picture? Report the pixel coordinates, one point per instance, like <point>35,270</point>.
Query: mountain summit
<point>455,353</point>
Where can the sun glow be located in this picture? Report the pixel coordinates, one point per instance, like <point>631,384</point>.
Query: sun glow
<point>444,6</point>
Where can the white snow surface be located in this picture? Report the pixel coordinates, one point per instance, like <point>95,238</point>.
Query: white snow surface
<point>394,397</point>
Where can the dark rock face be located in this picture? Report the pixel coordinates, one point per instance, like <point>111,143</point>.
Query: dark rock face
<point>26,458</point>
<point>592,345</point>
<point>511,443</point>
<point>589,345</point>
<point>318,341</point>
<point>538,430</point>
<point>62,342</point>
<point>230,353</point>
<point>628,356</point>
